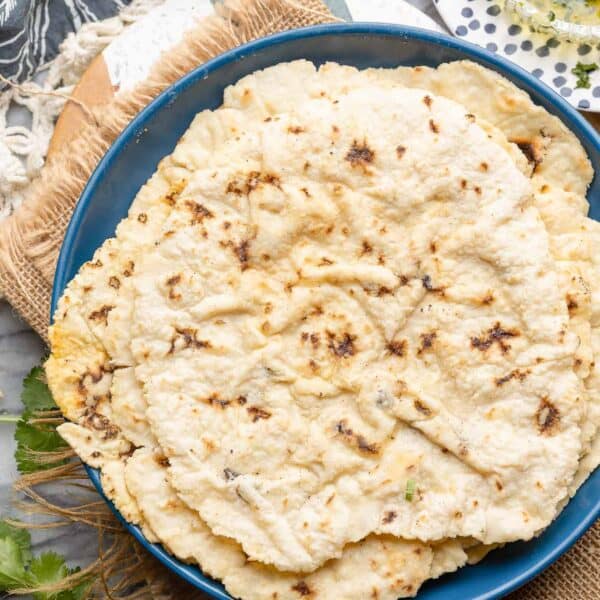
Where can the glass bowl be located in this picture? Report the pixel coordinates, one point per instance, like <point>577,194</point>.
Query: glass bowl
<point>569,20</point>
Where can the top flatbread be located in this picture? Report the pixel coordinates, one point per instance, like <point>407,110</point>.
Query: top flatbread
<point>350,305</point>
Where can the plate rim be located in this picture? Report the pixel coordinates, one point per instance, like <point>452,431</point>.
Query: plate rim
<point>568,115</point>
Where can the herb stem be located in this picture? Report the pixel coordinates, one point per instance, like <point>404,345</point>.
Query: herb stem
<point>10,418</point>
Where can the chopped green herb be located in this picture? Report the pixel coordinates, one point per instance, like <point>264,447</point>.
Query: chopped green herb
<point>551,16</point>
<point>410,489</point>
<point>582,72</point>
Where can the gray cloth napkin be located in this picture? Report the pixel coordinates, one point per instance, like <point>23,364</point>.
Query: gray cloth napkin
<point>32,30</point>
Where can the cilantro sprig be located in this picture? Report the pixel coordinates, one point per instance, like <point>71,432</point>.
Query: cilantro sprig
<point>35,432</point>
<point>43,576</point>
<point>19,570</point>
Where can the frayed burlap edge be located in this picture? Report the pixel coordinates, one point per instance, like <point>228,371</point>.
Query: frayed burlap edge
<point>31,238</point>
<point>29,245</point>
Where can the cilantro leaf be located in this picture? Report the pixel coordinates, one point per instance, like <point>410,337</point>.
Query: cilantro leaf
<point>47,569</point>
<point>36,394</point>
<point>50,568</point>
<point>12,568</point>
<point>20,536</point>
<point>32,437</point>
<point>15,554</point>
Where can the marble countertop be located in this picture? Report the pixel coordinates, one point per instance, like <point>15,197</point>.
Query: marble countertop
<point>21,349</point>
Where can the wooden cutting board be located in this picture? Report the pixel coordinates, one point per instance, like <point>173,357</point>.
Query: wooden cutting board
<point>127,60</point>
<point>93,90</point>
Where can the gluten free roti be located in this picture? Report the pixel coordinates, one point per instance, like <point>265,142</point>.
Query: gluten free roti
<point>232,192</point>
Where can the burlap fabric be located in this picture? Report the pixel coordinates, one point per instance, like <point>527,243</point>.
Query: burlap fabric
<point>30,241</point>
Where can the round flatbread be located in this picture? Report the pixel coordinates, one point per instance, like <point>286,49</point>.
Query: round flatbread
<point>354,302</point>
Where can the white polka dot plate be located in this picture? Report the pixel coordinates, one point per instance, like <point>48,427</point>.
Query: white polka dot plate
<point>487,24</point>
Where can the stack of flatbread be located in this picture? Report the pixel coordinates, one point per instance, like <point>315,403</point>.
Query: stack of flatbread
<point>345,340</point>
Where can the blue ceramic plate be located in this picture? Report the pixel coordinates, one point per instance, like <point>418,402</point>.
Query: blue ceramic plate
<point>154,132</point>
